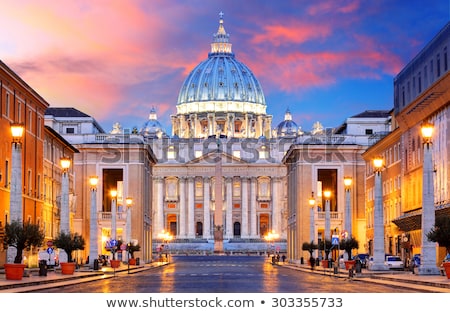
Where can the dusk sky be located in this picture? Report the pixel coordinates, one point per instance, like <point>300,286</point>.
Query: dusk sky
<point>115,60</point>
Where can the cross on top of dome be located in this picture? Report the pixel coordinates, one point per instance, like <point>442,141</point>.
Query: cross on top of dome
<point>220,44</point>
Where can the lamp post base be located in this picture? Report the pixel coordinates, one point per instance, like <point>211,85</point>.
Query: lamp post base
<point>379,267</point>
<point>428,270</point>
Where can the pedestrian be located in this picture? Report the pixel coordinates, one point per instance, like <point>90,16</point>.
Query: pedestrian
<point>283,258</point>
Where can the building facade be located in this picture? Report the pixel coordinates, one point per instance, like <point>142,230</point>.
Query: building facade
<point>421,94</point>
<point>320,162</point>
<point>38,189</point>
<point>122,162</point>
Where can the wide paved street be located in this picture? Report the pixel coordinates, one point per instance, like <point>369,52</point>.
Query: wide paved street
<point>224,274</point>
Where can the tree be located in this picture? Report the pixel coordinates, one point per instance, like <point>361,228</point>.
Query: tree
<point>440,232</point>
<point>348,245</point>
<point>22,236</point>
<point>69,242</point>
<point>326,246</point>
<point>131,248</point>
<point>310,247</point>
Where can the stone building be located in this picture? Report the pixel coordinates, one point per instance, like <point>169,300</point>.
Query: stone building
<point>421,94</point>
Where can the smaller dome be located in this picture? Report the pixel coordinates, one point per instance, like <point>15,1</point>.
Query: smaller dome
<point>152,128</point>
<point>288,127</point>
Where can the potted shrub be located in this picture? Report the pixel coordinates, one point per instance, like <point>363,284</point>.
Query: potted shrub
<point>69,242</point>
<point>131,249</point>
<point>21,236</point>
<point>310,247</point>
<point>440,233</point>
<point>115,245</point>
<point>348,245</point>
<point>326,247</point>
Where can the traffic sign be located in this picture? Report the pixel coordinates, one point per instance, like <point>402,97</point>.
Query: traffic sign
<point>335,240</point>
<point>49,250</point>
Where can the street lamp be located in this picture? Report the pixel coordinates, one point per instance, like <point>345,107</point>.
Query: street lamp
<point>378,219</point>
<point>15,198</point>
<point>93,233</point>
<point>428,253</point>
<point>327,195</point>
<point>270,237</point>
<point>166,237</point>
<point>113,241</point>
<point>129,203</point>
<point>65,214</point>
<point>348,209</point>
<point>312,203</point>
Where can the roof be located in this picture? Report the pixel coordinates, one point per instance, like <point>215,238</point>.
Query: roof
<point>65,112</point>
<point>373,114</point>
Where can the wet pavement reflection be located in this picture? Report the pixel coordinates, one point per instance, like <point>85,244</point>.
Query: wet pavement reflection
<point>224,274</point>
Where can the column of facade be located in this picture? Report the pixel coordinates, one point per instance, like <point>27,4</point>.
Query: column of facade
<point>253,233</point>
<point>206,208</point>
<point>159,194</point>
<point>276,209</point>
<point>244,207</point>
<point>191,208</point>
<point>182,185</point>
<point>229,209</point>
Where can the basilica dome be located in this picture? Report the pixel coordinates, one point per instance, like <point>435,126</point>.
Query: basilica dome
<point>221,96</point>
<point>287,128</point>
<point>221,77</point>
<point>152,128</point>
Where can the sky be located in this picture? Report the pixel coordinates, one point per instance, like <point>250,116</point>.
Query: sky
<point>324,60</point>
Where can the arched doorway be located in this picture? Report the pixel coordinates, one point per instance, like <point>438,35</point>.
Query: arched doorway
<point>172,224</point>
<point>237,229</point>
<point>199,229</point>
<point>263,224</point>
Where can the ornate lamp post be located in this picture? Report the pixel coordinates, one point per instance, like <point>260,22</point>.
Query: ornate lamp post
<point>166,237</point>
<point>129,203</point>
<point>327,195</point>
<point>312,203</point>
<point>348,208</point>
<point>15,203</point>
<point>113,240</point>
<point>378,220</point>
<point>93,233</point>
<point>65,214</point>
<point>428,253</point>
<point>270,238</point>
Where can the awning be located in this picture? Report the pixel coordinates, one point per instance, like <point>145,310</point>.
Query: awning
<point>413,219</point>
<point>409,221</point>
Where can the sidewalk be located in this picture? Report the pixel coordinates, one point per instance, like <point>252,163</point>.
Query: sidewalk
<point>405,279</point>
<point>54,278</point>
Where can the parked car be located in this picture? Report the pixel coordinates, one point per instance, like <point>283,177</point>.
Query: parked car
<point>394,262</point>
<point>369,262</point>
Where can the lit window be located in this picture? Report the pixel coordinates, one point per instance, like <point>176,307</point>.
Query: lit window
<point>171,153</point>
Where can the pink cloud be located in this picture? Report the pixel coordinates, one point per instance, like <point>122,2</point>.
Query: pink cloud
<point>293,33</point>
<point>331,6</point>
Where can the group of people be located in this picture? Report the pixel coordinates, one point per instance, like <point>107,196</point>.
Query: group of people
<point>276,258</point>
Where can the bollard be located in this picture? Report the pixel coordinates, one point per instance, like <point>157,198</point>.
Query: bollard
<point>96,265</point>
<point>42,268</point>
